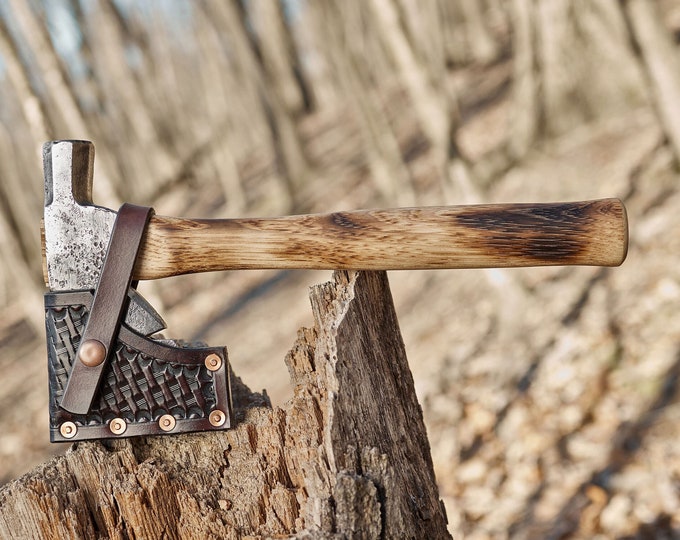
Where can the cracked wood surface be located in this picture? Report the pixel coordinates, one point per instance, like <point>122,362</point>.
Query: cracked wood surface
<point>346,457</point>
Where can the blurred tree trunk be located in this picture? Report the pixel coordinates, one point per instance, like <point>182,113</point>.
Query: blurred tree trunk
<point>18,251</point>
<point>32,107</point>
<point>285,138</point>
<point>573,64</point>
<point>121,85</point>
<point>278,55</point>
<point>345,46</point>
<point>576,62</point>
<point>430,103</point>
<point>224,145</point>
<point>424,27</point>
<point>465,30</point>
<point>482,46</point>
<point>26,197</point>
<point>87,86</point>
<point>661,59</point>
<point>61,105</point>
<point>527,105</point>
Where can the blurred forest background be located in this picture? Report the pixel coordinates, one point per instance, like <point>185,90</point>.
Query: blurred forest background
<point>550,395</point>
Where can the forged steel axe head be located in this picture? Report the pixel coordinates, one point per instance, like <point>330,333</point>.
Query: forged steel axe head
<point>77,232</point>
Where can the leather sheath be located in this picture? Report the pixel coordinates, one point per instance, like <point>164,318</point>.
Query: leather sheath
<point>109,304</point>
<point>143,386</point>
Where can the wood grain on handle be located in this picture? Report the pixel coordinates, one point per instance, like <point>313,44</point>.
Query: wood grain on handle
<point>476,236</point>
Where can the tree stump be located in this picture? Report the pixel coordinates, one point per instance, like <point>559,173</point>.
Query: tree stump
<point>347,456</point>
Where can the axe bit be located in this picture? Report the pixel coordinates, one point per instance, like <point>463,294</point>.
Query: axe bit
<point>76,234</point>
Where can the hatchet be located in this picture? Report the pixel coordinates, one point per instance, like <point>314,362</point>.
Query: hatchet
<point>84,245</point>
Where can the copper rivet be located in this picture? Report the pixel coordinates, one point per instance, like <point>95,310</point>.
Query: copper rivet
<point>167,422</point>
<point>92,353</point>
<point>68,430</point>
<point>118,426</point>
<point>213,362</point>
<point>217,418</point>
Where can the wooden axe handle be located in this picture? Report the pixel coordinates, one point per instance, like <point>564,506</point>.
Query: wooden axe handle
<point>476,236</point>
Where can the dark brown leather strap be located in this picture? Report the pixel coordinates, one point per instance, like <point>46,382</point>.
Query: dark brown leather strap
<point>108,308</point>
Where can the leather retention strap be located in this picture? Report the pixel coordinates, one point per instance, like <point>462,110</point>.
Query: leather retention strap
<point>109,304</point>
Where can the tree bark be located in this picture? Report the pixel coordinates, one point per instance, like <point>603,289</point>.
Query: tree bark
<point>347,456</point>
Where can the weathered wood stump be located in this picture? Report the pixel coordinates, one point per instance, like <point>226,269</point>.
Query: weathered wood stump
<point>347,456</point>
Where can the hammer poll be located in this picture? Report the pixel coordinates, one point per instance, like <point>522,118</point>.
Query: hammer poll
<point>107,386</point>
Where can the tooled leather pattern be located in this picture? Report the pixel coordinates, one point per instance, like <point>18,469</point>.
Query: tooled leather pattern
<point>135,386</point>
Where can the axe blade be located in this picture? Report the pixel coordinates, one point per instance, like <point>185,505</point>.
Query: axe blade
<point>77,232</point>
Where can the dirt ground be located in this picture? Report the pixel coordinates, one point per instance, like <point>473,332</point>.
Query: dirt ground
<point>550,394</point>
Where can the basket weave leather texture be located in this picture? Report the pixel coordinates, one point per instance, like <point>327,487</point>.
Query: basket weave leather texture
<point>144,379</point>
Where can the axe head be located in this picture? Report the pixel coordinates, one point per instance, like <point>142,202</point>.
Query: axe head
<point>77,232</point>
<point>107,377</point>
